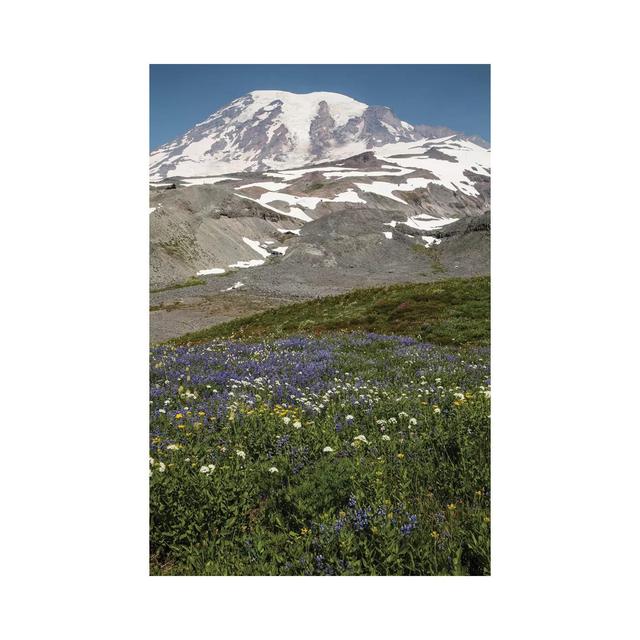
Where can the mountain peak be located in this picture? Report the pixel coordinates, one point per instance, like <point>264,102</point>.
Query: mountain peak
<point>274,129</point>
<point>278,94</point>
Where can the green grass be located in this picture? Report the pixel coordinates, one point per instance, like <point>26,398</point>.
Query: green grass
<point>191,282</point>
<point>450,312</point>
<point>433,254</point>
<point>344,454</point>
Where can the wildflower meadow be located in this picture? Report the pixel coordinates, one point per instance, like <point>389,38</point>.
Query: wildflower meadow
<point>341,454</point>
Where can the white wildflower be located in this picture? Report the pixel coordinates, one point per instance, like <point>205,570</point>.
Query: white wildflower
<point>297,424</point>
<point>327,450</point>
<point>173,447</point>
<point>286,420</point>
<point>161,467</point>
<point>241,454</point>
<point>386,437</point>
<point>204,469</point>
<point>273,470</point>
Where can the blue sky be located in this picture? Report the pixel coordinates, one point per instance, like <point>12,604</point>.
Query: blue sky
<point>457,96</point>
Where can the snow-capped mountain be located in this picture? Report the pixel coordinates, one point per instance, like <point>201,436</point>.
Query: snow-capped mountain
<point>324,191</point>
<point>280,130</point>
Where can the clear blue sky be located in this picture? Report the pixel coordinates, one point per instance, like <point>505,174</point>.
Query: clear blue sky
<point>457,96</point>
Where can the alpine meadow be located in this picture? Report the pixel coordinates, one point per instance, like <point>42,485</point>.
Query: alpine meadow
<point>320,380</point>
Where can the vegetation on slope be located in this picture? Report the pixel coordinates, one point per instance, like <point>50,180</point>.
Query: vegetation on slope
<point>347,454</point>
<point>191,282</point>
<point>449,312</point>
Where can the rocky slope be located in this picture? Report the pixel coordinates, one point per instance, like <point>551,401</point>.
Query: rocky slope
<point>230,223</point>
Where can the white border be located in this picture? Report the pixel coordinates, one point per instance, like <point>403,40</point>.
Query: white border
<point>75,263</point>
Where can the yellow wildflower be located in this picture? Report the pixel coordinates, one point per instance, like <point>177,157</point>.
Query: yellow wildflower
<point>304,531</point>
<point>451,507</point>
<point>400,456</point>
<point>435,535</point>
<point>178,416</point>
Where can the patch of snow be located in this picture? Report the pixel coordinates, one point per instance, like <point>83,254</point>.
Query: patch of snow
<point>431,141</point>
<point>388,234</point>
<point>308,202</point>
<point>152,209</point>
<point>293,212</point>
<point>189,182</point>
<point>208,272</point>
<point>295,232</point>
<point>449,173</point>
<point>418,222</point>
<point>280,250</point>
<point>237,285</point>
<point>425,216</point>
<point>294,174</point>
<point>347,196</point>
<point>255,245</point>
<point>245,264</point>
<point>269,186</point>
<point>355,173</point>
<point>381,188</point>
<point>390,128</point>
<point>429,240</point>
<point>387,188</point>
<point>428,225</point>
